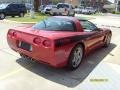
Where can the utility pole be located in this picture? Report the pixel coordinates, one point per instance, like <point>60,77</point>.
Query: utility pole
<point>41,2</point>
<point>116,2</point>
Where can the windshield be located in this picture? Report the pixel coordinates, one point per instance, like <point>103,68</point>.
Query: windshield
<point>2,6</point>
<point>55,24</point>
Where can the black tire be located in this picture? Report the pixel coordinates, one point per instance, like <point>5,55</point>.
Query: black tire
<point>21,14</point>
<point>13,16</point>
<point>60,14</point>
<point>73,14</point>
<point>75,57</point>
<point>2,16</point>
<point>107,40</point>
<point>52,14</point>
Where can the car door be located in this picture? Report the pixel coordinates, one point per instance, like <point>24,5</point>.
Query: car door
<point>8,10</point>
<point>13,9</point>
<point>95,36</point>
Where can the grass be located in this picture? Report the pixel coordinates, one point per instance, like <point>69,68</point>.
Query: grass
<point>114,12</point>
<point>97,14</point>
<point>38,17</point>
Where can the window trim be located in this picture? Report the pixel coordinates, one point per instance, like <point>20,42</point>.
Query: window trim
<point>72,23</point>
<point>90,23</point>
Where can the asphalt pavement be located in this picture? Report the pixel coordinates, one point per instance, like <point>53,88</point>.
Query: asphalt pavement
<point>98,71</point>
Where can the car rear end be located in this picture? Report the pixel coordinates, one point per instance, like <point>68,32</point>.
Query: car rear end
<point>32,46</point>
<point>47,41</point>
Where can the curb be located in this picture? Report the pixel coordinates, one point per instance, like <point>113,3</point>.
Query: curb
<point>113,51</point>
<point>110,26</point>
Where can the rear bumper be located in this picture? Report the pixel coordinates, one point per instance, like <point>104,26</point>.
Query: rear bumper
<point>43,55</point>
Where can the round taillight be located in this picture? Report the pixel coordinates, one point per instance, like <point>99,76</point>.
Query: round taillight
<point>47,43</point>
<point>12,33</point>
<point>37,40</point>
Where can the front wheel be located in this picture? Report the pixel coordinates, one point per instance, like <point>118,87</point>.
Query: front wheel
<point>2,16</point>
<point>107,40</point>
<point>75,57</point>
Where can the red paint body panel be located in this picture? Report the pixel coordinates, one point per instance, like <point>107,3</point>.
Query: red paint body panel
<point>55,55</point>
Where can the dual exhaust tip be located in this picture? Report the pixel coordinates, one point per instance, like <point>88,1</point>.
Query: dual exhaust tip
<point>27,57</point>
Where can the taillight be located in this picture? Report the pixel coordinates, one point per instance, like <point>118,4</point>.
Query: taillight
<point>37,40</point>
<point>47,43</point>
<point>12,33</point>
<point>42,41</point>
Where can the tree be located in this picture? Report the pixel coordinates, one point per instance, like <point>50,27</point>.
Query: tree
<point>36,4</point>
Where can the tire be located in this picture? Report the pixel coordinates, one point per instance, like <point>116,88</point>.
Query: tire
<point>73,14</point>
<point>75,57</point>
<point>13,16</point>
<point>107,40</point>
<point>68,13</point>
<point>52,14</point>
<point>21,14</point>
<point>2,16</point>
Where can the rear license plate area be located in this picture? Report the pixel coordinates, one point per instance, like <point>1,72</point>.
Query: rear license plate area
<point>25,46</point>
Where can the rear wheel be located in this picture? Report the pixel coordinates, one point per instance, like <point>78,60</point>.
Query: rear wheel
<point>2,15</point>
<point>75,57</point>
<point>107,40</point>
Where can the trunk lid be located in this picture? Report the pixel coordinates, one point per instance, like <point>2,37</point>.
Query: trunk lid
<point>47,34</point>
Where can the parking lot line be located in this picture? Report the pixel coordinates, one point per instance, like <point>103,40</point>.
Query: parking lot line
<point>13,72</point>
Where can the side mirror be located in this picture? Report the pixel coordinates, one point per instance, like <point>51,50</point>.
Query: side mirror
<point>98,29</point>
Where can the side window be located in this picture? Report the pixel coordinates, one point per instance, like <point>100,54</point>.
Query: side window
<point>68,26</point>
<point>60,6</point>
<point>66,6</point>
<point>87,26</point>
<point>13,6</point>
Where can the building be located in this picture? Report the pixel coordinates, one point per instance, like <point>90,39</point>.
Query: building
<point>87,3</point>
<point>117,2</point>
<point>118,8</point>
<point>37,3</point>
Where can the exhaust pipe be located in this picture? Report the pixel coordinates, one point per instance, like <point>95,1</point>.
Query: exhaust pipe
<point>26,57</point>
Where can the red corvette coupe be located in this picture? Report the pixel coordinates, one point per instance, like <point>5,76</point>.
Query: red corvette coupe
<point>58,41</point>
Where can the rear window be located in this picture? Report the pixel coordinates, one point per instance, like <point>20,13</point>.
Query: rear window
<point>3,6</point>
<point>55,24</point>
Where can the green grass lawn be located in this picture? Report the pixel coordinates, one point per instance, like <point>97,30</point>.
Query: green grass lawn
<point>38,17</point>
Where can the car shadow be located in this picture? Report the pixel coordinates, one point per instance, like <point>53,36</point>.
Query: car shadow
<point>64,76</point>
